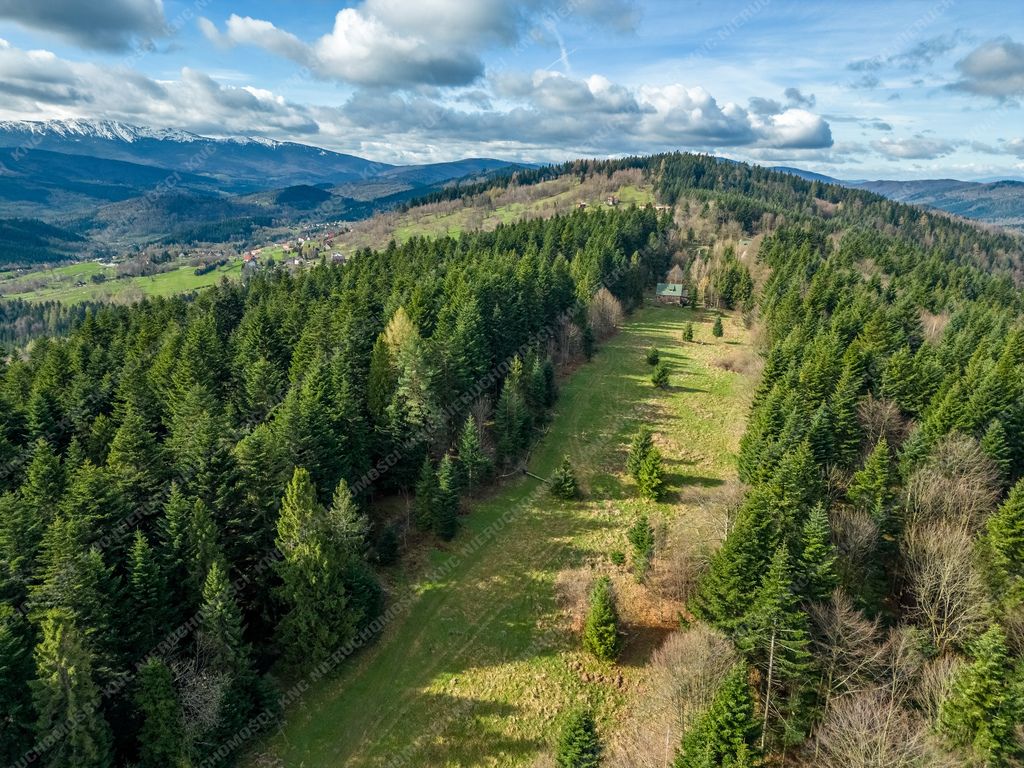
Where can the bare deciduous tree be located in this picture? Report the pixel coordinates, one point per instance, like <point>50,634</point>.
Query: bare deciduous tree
<point>949,596</point>
<point>882,418</point>
<point>604,314</point>
<point>959,483</point>
<point>847,645</point>
<point>686,671</point>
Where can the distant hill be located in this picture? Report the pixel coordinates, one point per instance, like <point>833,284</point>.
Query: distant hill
<point>997,202</point>
<point>29,241</point>
<point>123,183</point>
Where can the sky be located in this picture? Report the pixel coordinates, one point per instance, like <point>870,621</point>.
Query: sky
<point>858,90</point>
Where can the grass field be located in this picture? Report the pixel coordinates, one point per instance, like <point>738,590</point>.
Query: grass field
<point>483,659</point>
<point>63,283</point>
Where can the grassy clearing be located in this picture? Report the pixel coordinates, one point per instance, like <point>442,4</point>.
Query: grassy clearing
<point>63,283</point>
<point>480,666</point>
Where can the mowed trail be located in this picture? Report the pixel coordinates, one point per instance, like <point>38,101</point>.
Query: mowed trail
<point>484,659</point>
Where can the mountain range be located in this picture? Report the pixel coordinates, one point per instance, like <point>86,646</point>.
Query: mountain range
<point>116,185</point>
<point>998,202</point>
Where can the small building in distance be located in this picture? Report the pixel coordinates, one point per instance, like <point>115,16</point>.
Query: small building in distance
<point>672,293</point>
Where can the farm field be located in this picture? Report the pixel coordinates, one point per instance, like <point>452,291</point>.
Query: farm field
<point>72,283</point>
<point>484,657</point>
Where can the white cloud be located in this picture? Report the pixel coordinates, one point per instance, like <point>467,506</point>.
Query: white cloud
<point>995,68</point>
<point>914,148</point>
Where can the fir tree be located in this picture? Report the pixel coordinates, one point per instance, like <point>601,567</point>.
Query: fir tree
<point>716,330</point>
<point>562,484</point>
<point>601,630</point>
<point>203,544</point>
<point>996,446</point>
<point>67,698</point>
<point>653,356</point>
<point>688,332</point>
<point>135,462</point>
<point>724,735</point>
<point>578,743</point>
<point>446,517</point>
<point>985,705</point>
<point>161,737</point>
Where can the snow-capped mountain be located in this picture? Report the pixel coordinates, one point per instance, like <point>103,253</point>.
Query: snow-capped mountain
<point>239,162</point>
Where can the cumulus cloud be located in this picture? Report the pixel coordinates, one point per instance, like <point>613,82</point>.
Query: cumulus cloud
<point>111,25</point>
<point>397,44</point>
<point>797,99</point>
<point>995,68</point>
<point>916,147</point>
<point>540,115</point>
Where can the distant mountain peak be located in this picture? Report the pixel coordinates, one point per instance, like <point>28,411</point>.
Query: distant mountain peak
<point>112,130</point>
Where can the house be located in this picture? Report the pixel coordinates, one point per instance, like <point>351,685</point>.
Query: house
<point>663,208</point>
<point>672,293</point>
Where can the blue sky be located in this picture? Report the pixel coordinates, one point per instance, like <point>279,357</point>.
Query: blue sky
<point>912,89</point>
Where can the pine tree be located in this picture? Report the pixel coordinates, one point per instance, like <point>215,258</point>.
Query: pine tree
<point>717,330</point>
<point>817,565</point>
<point>578,744</point>
<point>427,493</point>
<point>650,475</point>
<point>446,517</point>
<point>985,704</point>
<point>473,463</point>
<point>161,737</point>
<point>601,630</point>
<point>724,735</point>
<point>67,699</point>
<point>660,376</point>
<point>562,484</point>
<point>317,616</point>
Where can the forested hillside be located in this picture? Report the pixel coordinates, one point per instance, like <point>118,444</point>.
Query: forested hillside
<point>185,480</point>
<point>190,485</point>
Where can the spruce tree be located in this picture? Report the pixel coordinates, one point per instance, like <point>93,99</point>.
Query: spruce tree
<point>985,705</point>
<point>446,517</point>
<point>147,594</point>
<point>427,494</point>
<point>16,672</point>
<point>316,614</point>
<point>161,736</point>
<point>1005,542</point>
<point>660,376</point>
<point>688,332</point>
<point>641,537</point>
<point>473,464</point>
<point>578,743</point>
<point>724,735</point>
<point>203,544</point>
<point>653,356</point>
<point>601,629</point>
<point>996,446</point>
<point>135,463</point>
<point>870,489</point>
<point>67,698</point>
<point>642,444</point>
<point>717,330</point>
<point>562,484</point>
<point>817,564</point>
<point>650,475</point>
